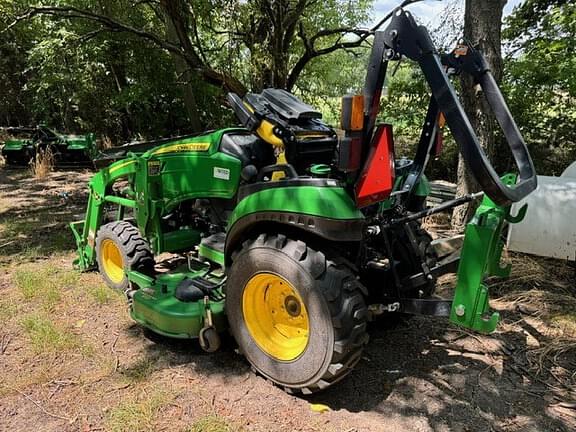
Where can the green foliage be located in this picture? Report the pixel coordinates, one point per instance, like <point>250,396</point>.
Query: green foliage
<point>328,78</point>
<point>260,42</point>
<point>13,108</point>
<point>404,104</point>
<point>78,75</point>
<point>404,101</point>
<point>540,80</point>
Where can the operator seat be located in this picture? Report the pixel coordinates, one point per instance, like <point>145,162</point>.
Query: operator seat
<point>248,148</point>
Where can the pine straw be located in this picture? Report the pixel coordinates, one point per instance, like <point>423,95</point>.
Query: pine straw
<point>438,225</point>
<point>530,273</point>
<point>557,352</point>
<point>544,289</point>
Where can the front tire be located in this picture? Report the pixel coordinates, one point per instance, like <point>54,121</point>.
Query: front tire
<point>297,316</point>
<point>119,248</point>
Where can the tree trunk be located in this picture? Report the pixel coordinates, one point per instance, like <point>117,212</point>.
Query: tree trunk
<point>176,33</point>
<point>482,28</point>
<point>269,37</point>
<point>118,71</point>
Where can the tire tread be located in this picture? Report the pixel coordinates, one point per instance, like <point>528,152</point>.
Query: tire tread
<point>134,246</point>
<point>344,295</point>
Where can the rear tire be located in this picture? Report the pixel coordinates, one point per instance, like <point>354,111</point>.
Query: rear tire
<point>318,337</point>
<point>120,247</point>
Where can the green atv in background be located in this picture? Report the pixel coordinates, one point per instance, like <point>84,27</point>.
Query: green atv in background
<point>67,150</point>
<point>294,237</point>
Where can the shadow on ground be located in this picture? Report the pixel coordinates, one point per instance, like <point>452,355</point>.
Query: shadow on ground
<point>34,215</point>
<point>424,371</point>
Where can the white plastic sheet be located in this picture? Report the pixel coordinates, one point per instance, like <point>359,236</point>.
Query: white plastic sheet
<point>549,228</point>
<point>570,171</point>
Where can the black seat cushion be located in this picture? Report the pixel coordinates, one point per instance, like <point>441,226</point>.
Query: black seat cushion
<point>248,148</point>
<point>188,291</point>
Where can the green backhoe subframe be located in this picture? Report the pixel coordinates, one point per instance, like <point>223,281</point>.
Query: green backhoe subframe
<point>480,257</point>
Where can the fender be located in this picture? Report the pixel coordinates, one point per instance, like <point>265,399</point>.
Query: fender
<point>318,206</point>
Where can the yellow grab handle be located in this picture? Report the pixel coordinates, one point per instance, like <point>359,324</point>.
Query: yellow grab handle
<point>266,132</point>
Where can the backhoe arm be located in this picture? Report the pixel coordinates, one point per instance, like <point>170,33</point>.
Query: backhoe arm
<point>404,37</point>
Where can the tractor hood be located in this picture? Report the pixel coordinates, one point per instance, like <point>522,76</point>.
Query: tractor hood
<point>16,144</point>
<point>77,141</point>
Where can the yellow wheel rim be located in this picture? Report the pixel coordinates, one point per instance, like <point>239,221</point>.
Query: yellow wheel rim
<point>112,261</point>
<point>276,316</point>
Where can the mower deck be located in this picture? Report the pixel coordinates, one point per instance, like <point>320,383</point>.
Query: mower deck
<point>157,306</point>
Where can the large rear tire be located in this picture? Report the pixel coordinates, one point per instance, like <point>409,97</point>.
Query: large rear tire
<point>298,316</point>
<point>120,247</point>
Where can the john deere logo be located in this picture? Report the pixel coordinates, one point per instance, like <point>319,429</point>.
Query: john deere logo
<point>175,148</point>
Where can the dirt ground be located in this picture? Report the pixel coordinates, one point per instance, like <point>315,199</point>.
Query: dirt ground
<point>71,359</point>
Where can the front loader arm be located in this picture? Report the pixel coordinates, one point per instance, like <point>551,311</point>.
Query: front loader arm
<point>85,231</point>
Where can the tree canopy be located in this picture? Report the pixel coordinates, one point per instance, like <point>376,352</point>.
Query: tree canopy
<point>109,65</point>
<point>540,79</point>
<point>129,69</point>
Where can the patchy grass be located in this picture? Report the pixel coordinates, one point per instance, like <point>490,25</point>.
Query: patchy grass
<point>31,253</point>
<point>44,283</point>
<point>104,295</point>
<point>138,414</point>
<point>12,227</point>
<point>8,309</point>
<point>37,285</point>
<point>33,238</point>
<point>45,336</point>
<point>212,423</point>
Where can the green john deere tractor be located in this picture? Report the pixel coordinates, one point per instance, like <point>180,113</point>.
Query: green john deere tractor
<point>67,150</point>
<point>293,237</point>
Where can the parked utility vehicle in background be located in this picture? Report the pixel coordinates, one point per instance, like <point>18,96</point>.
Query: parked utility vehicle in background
<point>68,150</point>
